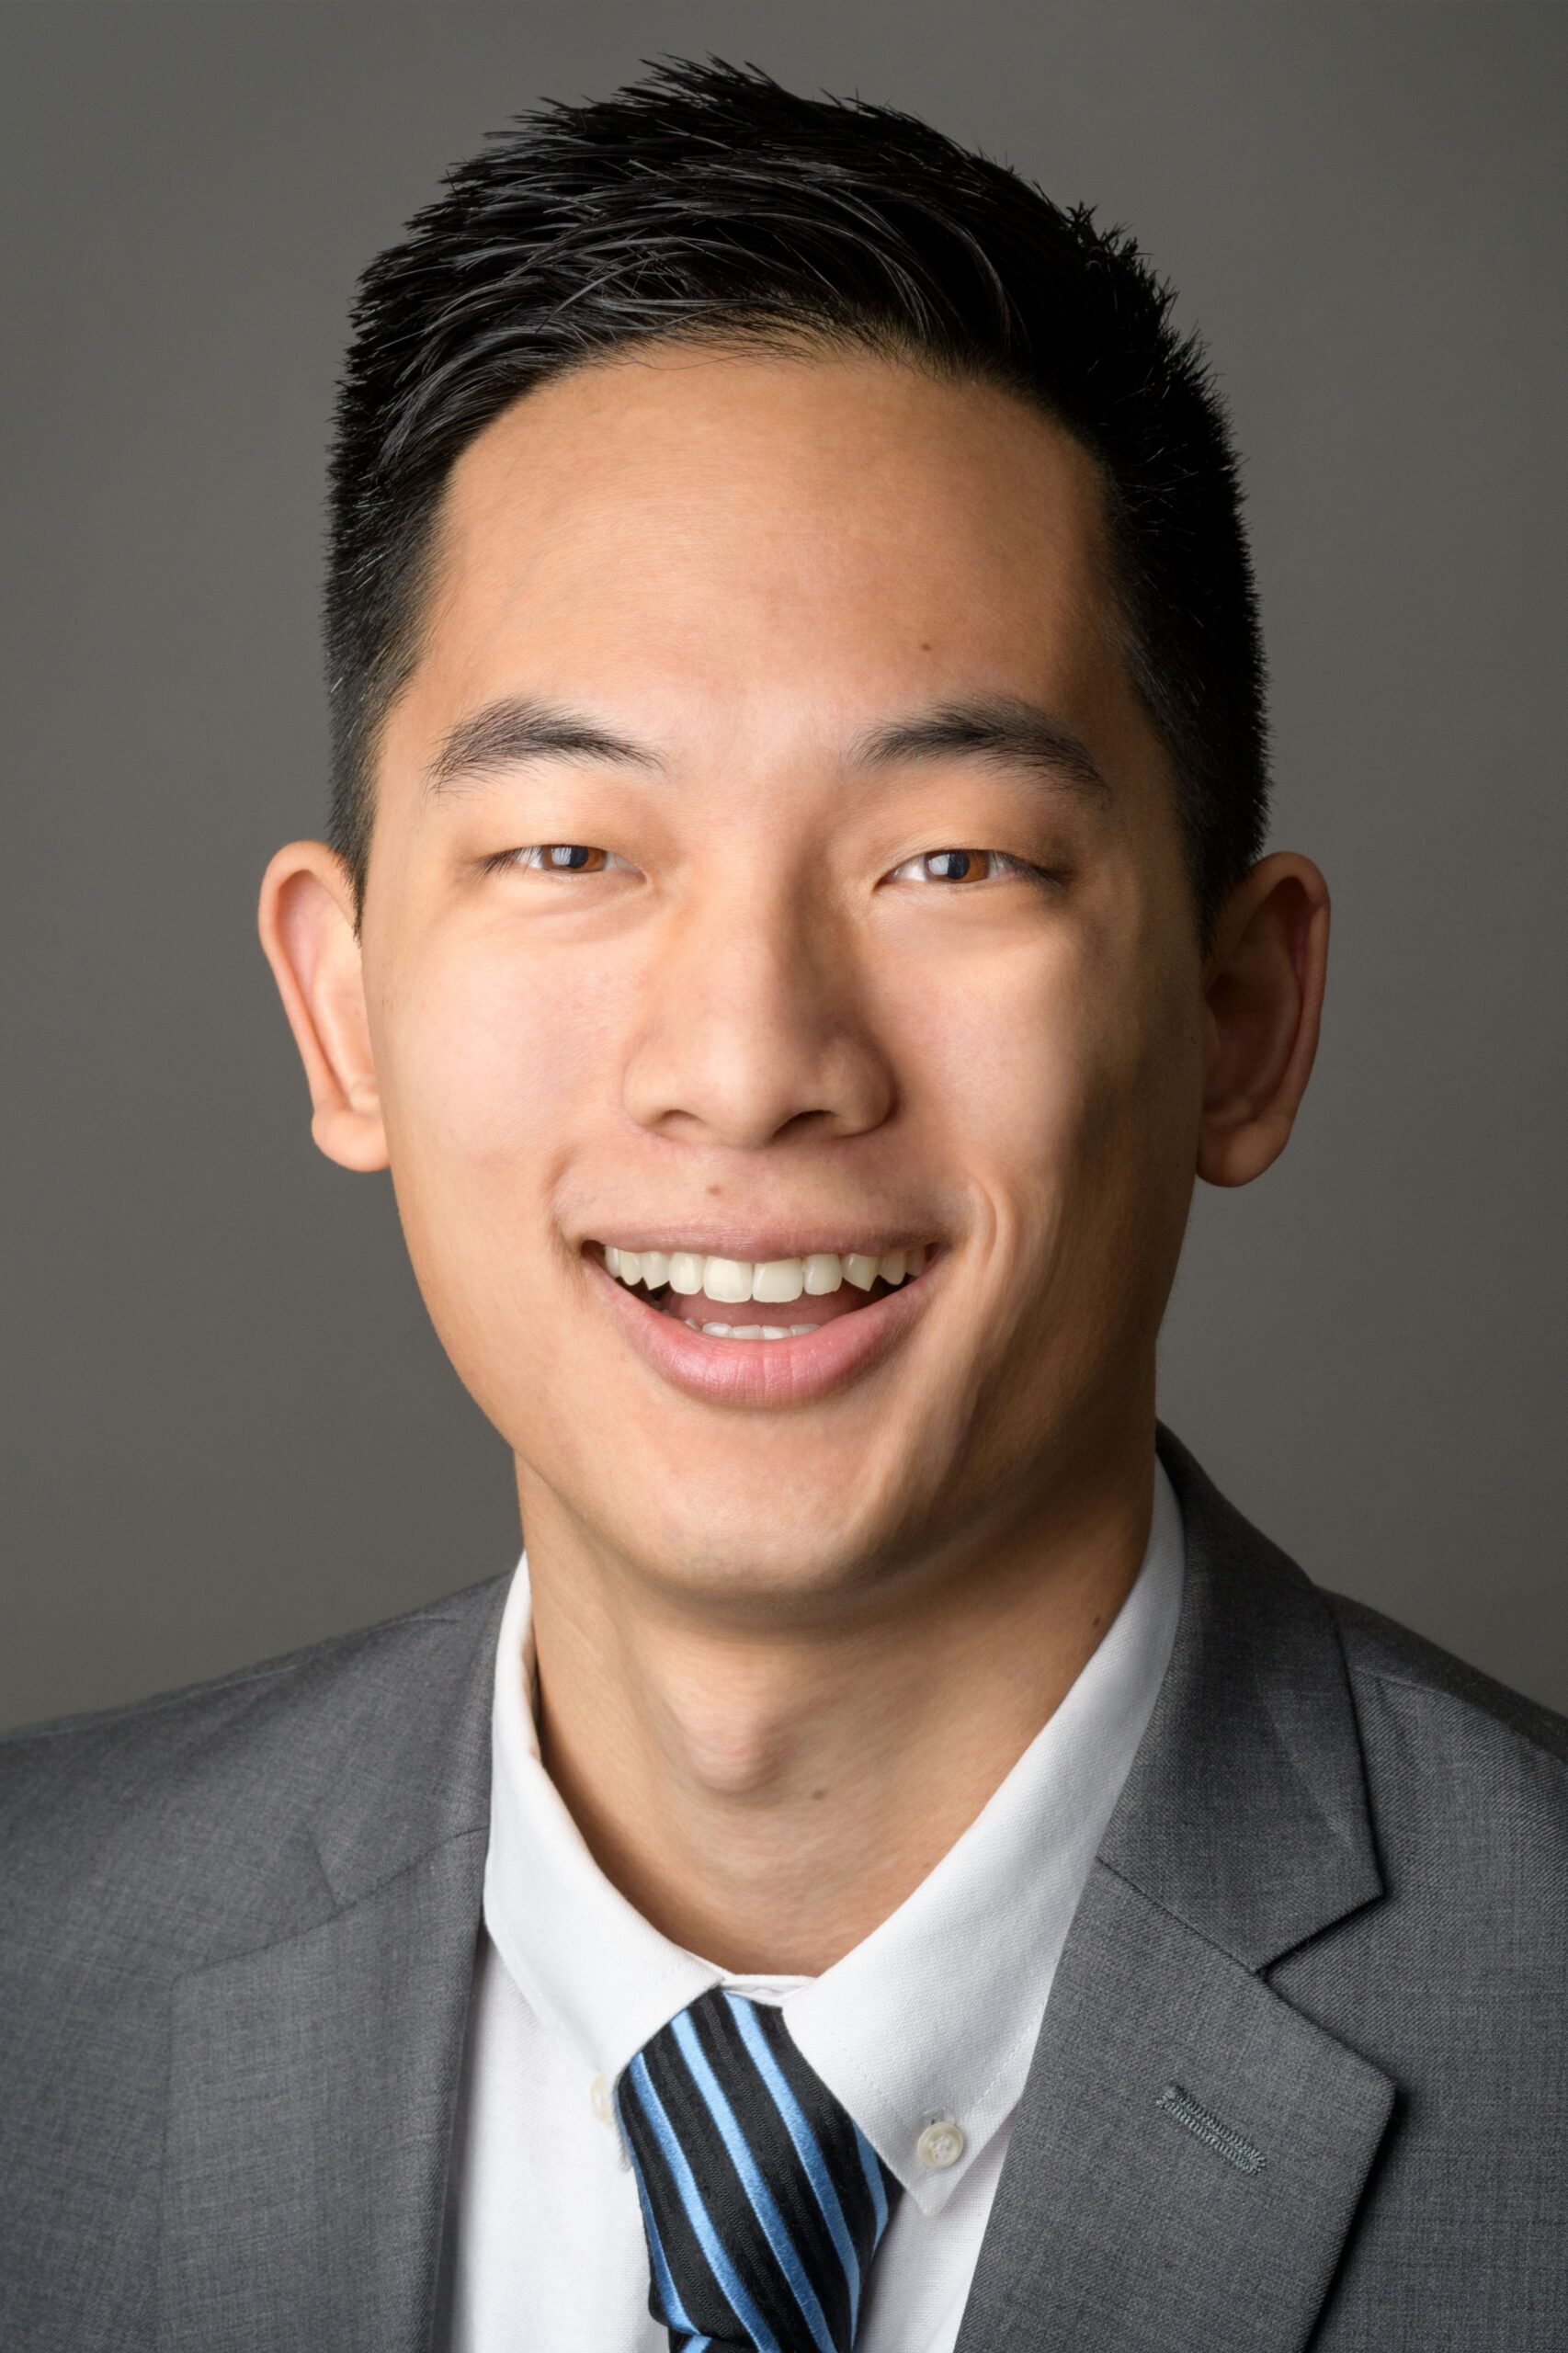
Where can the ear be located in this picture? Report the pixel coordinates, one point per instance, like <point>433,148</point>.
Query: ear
<point>306,920</point>
<point>1263,989</point>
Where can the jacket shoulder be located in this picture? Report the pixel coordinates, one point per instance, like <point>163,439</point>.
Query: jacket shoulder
<point>166,1722</point>
<point>141,1846</point>
<point>171,1823</point>
<point>1425,1680</point>
<point>1467,1782</point>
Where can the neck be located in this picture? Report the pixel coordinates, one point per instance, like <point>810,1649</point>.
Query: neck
<point>766,1797</point>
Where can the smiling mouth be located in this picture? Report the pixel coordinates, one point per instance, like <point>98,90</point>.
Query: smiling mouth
<point>787,1298</point>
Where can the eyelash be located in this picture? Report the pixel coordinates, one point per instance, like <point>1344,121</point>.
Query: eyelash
<point>514,858</point>
<point>1002,862</point>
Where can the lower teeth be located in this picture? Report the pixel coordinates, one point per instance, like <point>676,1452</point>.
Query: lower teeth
<point>751,1331</point>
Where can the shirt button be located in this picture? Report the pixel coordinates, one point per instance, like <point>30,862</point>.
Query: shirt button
<point>598,2098</point>
<point>941,2146</point>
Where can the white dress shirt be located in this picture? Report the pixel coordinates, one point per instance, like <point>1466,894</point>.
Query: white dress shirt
<point>933,2017</point>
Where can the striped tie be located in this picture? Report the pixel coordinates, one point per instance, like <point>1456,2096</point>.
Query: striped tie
<point>762,2198</point>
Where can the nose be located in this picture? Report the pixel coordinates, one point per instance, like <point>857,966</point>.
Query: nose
<point>755,1024</point>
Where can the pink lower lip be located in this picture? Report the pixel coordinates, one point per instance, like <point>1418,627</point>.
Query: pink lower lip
<point>763,1373</point>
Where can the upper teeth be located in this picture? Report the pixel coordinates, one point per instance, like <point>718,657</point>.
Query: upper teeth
<point>774,1280</point>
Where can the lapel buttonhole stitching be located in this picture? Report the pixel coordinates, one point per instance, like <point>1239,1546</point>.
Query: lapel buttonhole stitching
<point>1208,2129</point>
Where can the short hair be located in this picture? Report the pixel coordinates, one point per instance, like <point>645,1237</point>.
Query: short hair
<point>707,201</point>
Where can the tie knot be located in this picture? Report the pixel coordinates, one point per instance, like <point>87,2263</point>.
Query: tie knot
<point>761,2199</point>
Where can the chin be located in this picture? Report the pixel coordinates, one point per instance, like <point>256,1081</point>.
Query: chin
<point>752,1556</point>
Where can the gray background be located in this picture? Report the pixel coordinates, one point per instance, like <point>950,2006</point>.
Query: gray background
<point>229,1427</point>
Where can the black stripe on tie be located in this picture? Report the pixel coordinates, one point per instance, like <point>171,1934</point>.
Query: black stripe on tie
<point>836,2135</point>
<point>728,2206</point>
<point>768,2135</point>
<point>732,2205</point>
<point>702,2297</point>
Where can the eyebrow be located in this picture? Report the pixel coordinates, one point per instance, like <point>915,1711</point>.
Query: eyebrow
<point>990,728</point>
<point>520,728</point>
<point>1000,728</point>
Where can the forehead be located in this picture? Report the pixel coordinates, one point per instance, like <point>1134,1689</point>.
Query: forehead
<point>732,526</point>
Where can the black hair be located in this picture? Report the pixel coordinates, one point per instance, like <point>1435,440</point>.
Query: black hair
<point>708,201</point>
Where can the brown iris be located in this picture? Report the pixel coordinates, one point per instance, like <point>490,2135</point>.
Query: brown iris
<point>571,858</point>
<point>956,865</point>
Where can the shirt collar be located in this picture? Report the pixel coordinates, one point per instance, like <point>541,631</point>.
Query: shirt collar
<point>934,2016</point>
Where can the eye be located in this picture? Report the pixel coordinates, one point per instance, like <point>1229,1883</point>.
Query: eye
<point>961,865</point>
<point>555,858</point>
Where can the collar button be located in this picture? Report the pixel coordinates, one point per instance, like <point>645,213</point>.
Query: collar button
<point>941,2146</point>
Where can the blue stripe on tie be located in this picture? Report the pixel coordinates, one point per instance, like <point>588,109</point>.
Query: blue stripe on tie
<point>690,2196</point>
<point>756,2190</point>
<point>675,2311</point>
<point>806,2146</point>
<point>873,2170</point>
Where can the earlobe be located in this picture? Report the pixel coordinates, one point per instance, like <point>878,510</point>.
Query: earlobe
<point>306,922</point>
<point>1262,1003</point>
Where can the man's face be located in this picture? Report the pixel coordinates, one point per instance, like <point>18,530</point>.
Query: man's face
<point>825,616</point>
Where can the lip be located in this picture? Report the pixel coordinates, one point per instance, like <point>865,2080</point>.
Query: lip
<point>764,1372</point>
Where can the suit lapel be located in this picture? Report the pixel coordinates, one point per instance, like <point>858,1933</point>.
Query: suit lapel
<point>1189,2149</point>
<point>1186,2158</point>
<point>313,2081</point>
<point>311,2111</point>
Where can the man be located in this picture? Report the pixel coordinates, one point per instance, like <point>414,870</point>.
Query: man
<point>903,1862</point>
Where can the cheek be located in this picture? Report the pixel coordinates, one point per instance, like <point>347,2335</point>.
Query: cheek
<point>1060,1076</point>
<point>492,1068</point>
<point>492,1060</point>
<point>1013,1068</point>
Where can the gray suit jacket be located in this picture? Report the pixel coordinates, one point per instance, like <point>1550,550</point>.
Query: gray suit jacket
<point>1303,2078</point>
